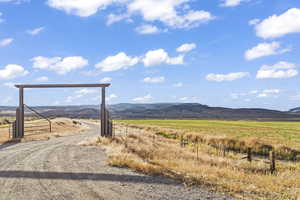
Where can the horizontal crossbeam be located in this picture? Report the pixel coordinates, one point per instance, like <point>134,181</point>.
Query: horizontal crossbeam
<point>61,85</point>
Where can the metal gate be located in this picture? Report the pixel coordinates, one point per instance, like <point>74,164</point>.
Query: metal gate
<point>40,124</point>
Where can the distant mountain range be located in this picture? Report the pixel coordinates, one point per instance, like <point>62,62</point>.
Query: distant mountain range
<point>195,110</point>
<point>160,111</point>
<point>295,110</point>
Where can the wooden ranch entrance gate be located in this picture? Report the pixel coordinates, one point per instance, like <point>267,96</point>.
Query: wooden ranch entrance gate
<point>105,123</point>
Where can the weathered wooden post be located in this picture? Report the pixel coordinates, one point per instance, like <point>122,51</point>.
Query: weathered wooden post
<point>249,154</point>
<point>14,131</point>
<point>50,126</point>
<point>126,136</point>
<point>108,124</point>
<point>153,142</point>
<point>182,141</point>
<point>197,149</point>
<point>21,113</point>
<point>103,114</point>
<point>223,150</point>
<point>112,129</point>
<point>272,162</point>
<point>17,123</point>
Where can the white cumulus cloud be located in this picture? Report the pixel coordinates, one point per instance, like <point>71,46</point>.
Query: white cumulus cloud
<point>269,93</point>
<point>85,91</point>
<point>14,1</point>
<point>6,41</point>
<point>1,19</point>
<point>254,21</point>
<point>279,70</point>
<point>106,80</point>
<point>42,79</point>
<point>231,3</point>
<point>10,84</point>
<point>179,84</point>
<point>79,94</point>
<point>147,29</point>
<point>58,64</point>
<point>189,99</point>
<point>257,93</point>
<point>186,47</point>
<point>160,56</point>
<point>82,8</point>
<point>169,12</point>
<point>111,97</point>
<point>277,26</point>
<point>113,18</point>
<point>265,49</point>
<point>12,71</point>
<point>226,77</point>
<point>159,79</point>
<point>146,98</point>
<point>253,92</point>
<point>117,62</point>
<point>36,31</point>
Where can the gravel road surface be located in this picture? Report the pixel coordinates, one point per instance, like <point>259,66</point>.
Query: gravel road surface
<point>60,168</point>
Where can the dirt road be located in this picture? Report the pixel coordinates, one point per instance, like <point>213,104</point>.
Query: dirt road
<point>62,169</point>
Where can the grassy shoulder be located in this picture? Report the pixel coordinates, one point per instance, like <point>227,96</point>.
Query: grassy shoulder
<point>144,149</point>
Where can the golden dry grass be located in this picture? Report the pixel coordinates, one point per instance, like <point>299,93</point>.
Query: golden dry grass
<point>60,127</point>
<point>229,138</point>
<point>147,152</point>
<point>272,132</point>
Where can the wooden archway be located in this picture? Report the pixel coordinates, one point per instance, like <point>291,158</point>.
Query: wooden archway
<point>105,132</point>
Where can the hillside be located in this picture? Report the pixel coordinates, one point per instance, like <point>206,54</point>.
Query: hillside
<point>295,110</point>
<point>193,110</point>
<point>159,110</point>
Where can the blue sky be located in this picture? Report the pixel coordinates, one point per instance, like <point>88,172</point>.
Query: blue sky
<point>232,53</point>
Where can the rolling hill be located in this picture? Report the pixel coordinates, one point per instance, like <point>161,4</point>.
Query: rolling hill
<point>159,111</point>
<point>295,110</point>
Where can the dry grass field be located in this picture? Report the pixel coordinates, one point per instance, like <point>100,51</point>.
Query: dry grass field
<point>285,133</point>
<point>153,147</point>
<point>40,129</point>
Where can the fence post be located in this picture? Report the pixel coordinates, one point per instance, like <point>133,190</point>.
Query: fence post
<point>14,131</point>
<point>224,150</point>
<point>16,134</point>
<point>197,149</point>
<point>113,129</point>
<point>9,132</point>
<point>249,154</point>
<point>153,142</point>
<point>181,140</point>
<point>272,162</point>
<point>126,135</point>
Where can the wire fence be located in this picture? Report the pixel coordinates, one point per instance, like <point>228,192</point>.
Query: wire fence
<point>249,155</point>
